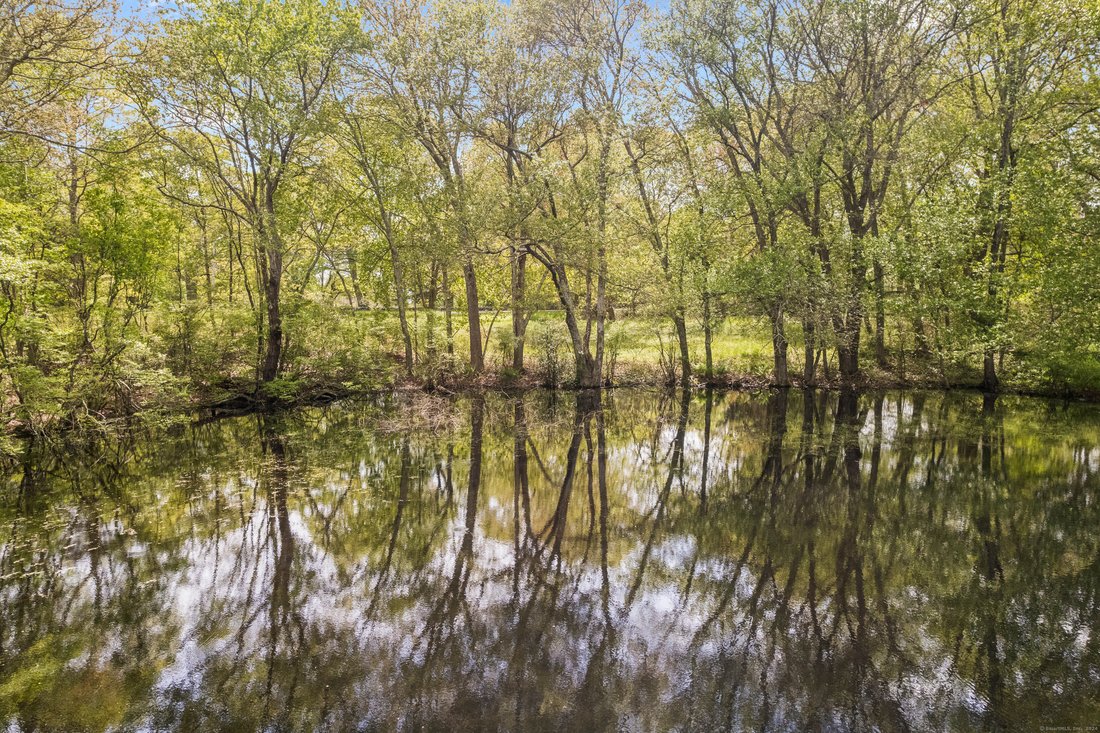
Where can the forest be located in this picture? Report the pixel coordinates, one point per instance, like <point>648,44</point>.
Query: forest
<point>226,201</point>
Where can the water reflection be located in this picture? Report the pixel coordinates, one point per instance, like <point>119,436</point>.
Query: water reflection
<point>785,561</point>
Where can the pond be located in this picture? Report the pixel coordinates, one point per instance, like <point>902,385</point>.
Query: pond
<point>661,561</point>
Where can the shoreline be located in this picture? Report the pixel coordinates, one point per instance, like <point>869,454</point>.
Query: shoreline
<point>208,408</point>
<point>494,382</point>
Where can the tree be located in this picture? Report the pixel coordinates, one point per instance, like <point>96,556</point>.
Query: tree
<point>421,62</point>
<point>46,49</point>
<point>1021,62</point>
<point>523,110</point>
<point>599,37</point>
<point>725,53</point>
<point>659,194</point>
<point>384,179</point>
<point>240,90</point>
<point>875,66</point>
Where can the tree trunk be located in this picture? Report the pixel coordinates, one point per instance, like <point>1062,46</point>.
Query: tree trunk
<point>587,375</point>
<point>448,310</point>
<point>273,280</point>
<point>473,317</point>
<point>809,338</point>
<point>603,174</point>
<point>920,336</point>
<point>353,273</point>
<point>880,314</point>
<point>400,293</point>
<point>990,381</point>
<point>601,312</point>
<point>430,345</point>
<point>519,320</point>
<point>586,372</point>
<point>780,374</point>
<point>848,328</point>
<point>708,335</point>
<point>274,348</point>
<point>685,357</point>
<point>847,354</point>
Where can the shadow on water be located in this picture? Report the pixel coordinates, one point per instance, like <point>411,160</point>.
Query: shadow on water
<point>714,561</point>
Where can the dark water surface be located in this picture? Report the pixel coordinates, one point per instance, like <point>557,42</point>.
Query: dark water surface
<point>691,562</point>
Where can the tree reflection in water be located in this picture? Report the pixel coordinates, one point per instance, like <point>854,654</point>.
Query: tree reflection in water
<point>784,561</point>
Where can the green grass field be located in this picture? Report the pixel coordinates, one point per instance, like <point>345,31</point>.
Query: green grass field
<point>640,349</point>
<point>637,345</point>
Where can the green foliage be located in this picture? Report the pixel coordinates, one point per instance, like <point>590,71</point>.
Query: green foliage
<point>304,193</point>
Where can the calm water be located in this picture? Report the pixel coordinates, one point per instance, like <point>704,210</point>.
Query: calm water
<point>701,562</point>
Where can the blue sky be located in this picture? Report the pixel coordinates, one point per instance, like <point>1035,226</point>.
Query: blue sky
<point>145,7</point>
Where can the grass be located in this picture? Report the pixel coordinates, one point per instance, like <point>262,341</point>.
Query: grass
<point>638,345</point>
<point>639,348</point>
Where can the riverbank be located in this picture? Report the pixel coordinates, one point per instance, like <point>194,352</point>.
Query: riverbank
<point>290,393</point>
<point>506,381</point>
<point>639,355</point>
<point>230,399</point>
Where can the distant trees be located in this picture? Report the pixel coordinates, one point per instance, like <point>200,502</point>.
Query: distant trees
<point>809,99</point>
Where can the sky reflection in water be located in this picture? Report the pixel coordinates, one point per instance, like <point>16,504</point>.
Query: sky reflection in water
<point>665,562</point>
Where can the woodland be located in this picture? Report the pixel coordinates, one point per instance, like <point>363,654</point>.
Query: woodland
<point>251,201</point>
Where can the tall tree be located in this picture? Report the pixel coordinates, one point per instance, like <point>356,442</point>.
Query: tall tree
<point>721,51</point>
<point>1022,63</point>
<point>384,176</point>
<point>239,89</point>
<point>876,68</point>
<point>46,49</point>
<point>601,38</point>
<point>422,61</point>
<point>523,110</point>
